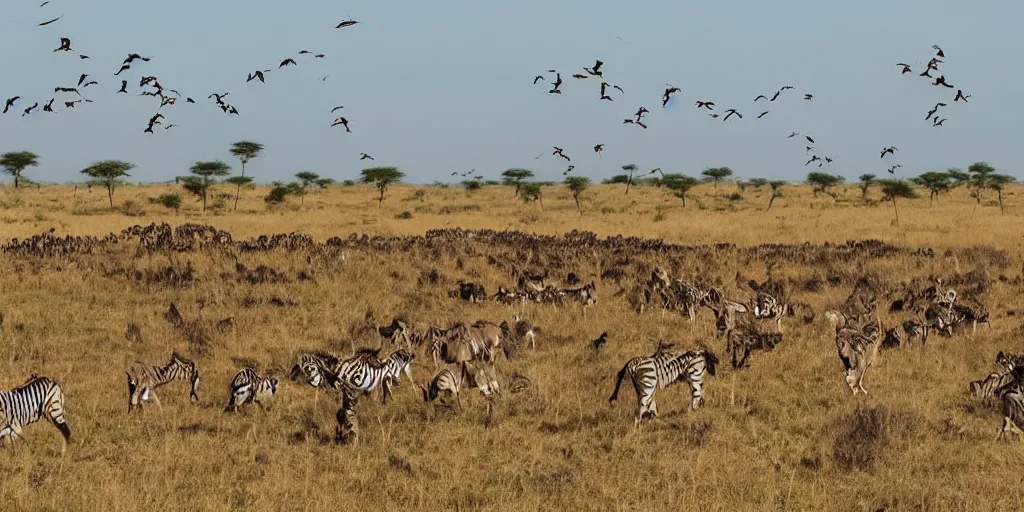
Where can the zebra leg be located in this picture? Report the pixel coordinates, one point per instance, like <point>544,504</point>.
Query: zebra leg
<point>860,381</point>
<point>851,381</point>
<point>697,397</point>
<point>1002,431</point>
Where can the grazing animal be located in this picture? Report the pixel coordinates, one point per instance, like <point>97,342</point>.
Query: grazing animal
<point>660,370</point>
<point>768,307</point>
<point>28,403</point>
<point>363,373</point>
<point>143,379</point>
<point>990,386</point>
<point>600,342</point>
<point>249,387</point>
<point>908,330</point>
<point>446,381</point>
<point>744,341</point>
<point>315,368</point>
<point>726,312</point>
<point>858,351</point>
<point>1007,361</point>
<point>1013,411</point>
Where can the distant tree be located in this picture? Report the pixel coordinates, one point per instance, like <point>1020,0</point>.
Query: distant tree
<point>15,163</point>
<point>618,179</point>
<point>758,183</point>
<point>472,185</point>
<point>576,185</point>
<point>169,201</point>
<point>896,189</point>
<point>239,182</point>
<point>822,182</point>
<point>204,175</point>
<point>979,178</point>
<point>381,178</point>
<point>716,174</point>
<point>997,182</point>
<point>323,183</point>
<point>306,179</point>
<point>279,192</point>
<point>679,184</point>
<point>742,185</point>
<point>776,186</point>
<point>245,151</point>
<point>631,169</point>
<point>531,191</point>
<point>108,173</point>
<point>515,178</point>
<point>957,176</point>
<point>935,182</point>
<point>866,180</point>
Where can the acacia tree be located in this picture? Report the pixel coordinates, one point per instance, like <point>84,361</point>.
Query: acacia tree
<point>997,182</point>
<point>631,169</point>
<point>893,189</point>
<point>576,185</point>
<point>866,180</point>
<point>530,191</point>
<point>822,182</point>
<point>108,173</point>
<point>757,183</point>
<point>716,174</point>
<point>979,173</point>
<point>323,183</point>
<point>515,178</point>
<point>15,163</point>
<point>381,178</point>
<point>239,182</point>
<point>776,186</point>
<point>679,184</point>
<point>204,175</point>
<point>306,179</point>
<point>245,151</point>
<point>935,182</point>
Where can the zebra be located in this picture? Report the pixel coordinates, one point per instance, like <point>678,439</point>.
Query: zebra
<point>249,387</point>
<point>726,311</point>
<point>858,351</point>
<point>363,373</point>
<point>744,341</point>
<point>660,370</point>
<point>1008,360</point>
<point>990,386</point>
<point>768,307</point>
<point>315,367</point>
<point>1012,397</point>
<point>143,379</point>
<point>688,298</point>
<point>446,381</point>
<point>28,403</point>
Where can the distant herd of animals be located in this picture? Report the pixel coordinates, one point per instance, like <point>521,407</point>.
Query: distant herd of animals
<point>465,355</point>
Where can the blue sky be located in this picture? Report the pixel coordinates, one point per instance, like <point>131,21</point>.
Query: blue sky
<point>436,87</point>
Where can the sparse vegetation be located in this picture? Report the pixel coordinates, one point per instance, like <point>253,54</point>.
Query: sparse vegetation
<point>15,163</point>
<point>108,173</point>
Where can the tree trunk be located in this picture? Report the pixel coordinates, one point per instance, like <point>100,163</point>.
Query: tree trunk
<point>380,200</point>
<point>770,201</point>
<point>204,199</point>
<point>302,197</point>
<point>1000,195</point>
<point>110,194</point>
<point>238,191</point>
<point>16,177</point>
<point>576,198</point>
<point>243,167</point>
<point>683,197</point>
<point>896,210</point>
<point>628,183</point>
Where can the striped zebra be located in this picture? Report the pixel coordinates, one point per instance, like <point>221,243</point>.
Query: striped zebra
<point>363,373</point>
<point>688,298</point>
<point>990,386</point>
<point>249,387</point>
<point>315,368</point>
<point>744,341</point>
<point>27,404</point>
<point>1012,397</point>
<point>1008,361</point>
<point>767,307</point>
<point>858,351</point>
<point>446,381</point>
<point>660,370</point>
<point>143,379</point>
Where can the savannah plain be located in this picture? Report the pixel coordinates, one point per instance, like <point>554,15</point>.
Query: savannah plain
<point>784,433</point>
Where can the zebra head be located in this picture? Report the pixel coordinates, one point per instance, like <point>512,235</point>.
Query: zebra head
<point>400,362</point>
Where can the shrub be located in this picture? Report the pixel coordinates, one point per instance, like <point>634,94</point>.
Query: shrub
<point>169,201</point>
<point>406,215</point>
<point>735,196</point>
<point>132,209</point>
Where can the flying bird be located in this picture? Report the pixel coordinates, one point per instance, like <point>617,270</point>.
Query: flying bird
<point>30,109</point>
<point>640,112</point>
<point>567,171</point>
<point>287,62</point>
<point>794,134</point>
<point>124,86</point>
<point>762,114</point>
<point>127,64</point>
<point>168,127</point>
<point>580,76</point>
<point>87,84</point>
<point>557,84</point>
<point>324,78</point>
<point>891,150</point>
<point>67,89</point>
<point>538,78</point>
<point>638,123</point>
<point>729,113</point>
<point>558,152</point>
<point>941,80</point>
<point>347,23</point>
<point>906,68</point>
<point>45,23</point>
<point>49,106</point>
<point>65,45</point>
<point>814,158</point>
<point>759,96</point>
<point>938,122</point>
<point>596,70</point>
<point>809,97</point>
<point>961,96</point>
<point>808,137</point>
<point>598,149</point>
<point>342,121</point>
<point>257,75</point>
<point>939,50</point>
<point>934,110</point>
<point>339,107</point>
<point>892,170</point>
<point>710,105</point>
<point>604,86</point>
<point>364,156</point>
<point>668,95</point>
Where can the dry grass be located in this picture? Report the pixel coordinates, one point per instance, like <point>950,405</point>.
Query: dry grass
<point>784,433</point>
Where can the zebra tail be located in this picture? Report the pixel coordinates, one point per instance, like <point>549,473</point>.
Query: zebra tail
<point>65,430</point>
<point>618,382</point>
<point>712,361</point>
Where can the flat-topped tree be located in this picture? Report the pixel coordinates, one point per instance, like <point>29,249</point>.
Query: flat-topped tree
<point>821,182</point>
<point>896,189</point>
<point>866,180</point>
<point>631,169</point>
<point>15,163</point>
<point>757,183</point>
<point>515,178</point>
<point>108,173</point>
<point>997,182</point>
<point>245,151</point>
<point>576,185</point>
<point>531,191</point>
<point>306,179</point>
<point>958,176</point>
<point>776,186</point>
<point>935,182</point>
<point>717,174</point>
<point>323,183</point>
<point>679,184</point>
<point>979,173</point>
<point>204,175</point>
<point>239,182</point>
<point>382,178</point>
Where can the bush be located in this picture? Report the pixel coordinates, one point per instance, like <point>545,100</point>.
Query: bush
<point>736,196</point>
<point>404,215</point>
<point>132,209</point>
<point>277,195</point>
<point>348,183</point>
<point>169,201</point>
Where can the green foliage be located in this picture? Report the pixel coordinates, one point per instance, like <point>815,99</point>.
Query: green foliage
<point>348,183</point>
<point>576,185</point>
<point>108,173</point>
<point>530,191</point>
<point>758,183</point>
<point>935,182</point>
<point>822,182</point>
<point>618,179</point>
<point>245,151</point>
<point>472,185</point>
<point>735,196</point>
<point>15,163</point>
<point>680,184</point>
<point>280,192</point>
<point>169,201</point>
<point>381,178</point>
<point>204,176</point>
<point>716,174</point>
<point>776,186</point>
<point>515,178</point>
<point>866,180</point>
<point>307,179</point>
<point>406,215</point>
<point>896,189</point>
<point>323,183</point>
<point>959,177</point>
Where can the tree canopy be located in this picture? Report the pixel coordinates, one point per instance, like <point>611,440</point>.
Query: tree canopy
<point>679,184</point>
<point>381,178</point>
<point>239,182</point>
<point>204,175</point>
<point>865,183</point>
<point>515,178</point>
<point>822,182</point>
<point>109,174</point>
<point>15,163</point>
<point>896,189</point>
<point>576,185</point>
<point>717,174</point>
<point>245,151</point>
<point>935,182</point>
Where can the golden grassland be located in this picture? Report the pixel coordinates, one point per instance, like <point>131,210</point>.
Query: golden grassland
<point>773,436</point>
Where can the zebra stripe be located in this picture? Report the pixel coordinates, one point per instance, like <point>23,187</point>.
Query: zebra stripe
<point>249,387</point>
<point>143,379</point>
<point>363,373</point>
<point>444,382</point>
<point>1013,411</point>
<point>1008,360</point>
<point>26,404</point>
<point>316,368</point>
<point>991,386</point>
<point>648,374</point>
